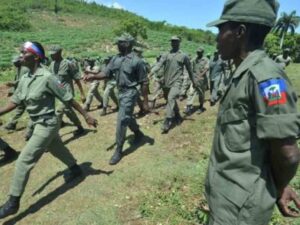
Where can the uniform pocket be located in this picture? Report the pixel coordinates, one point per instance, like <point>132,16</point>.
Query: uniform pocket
<point>236,129</point>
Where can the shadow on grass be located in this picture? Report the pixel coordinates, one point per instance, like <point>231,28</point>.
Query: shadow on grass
<point>134,146</point>
<point>35,207</point>
<point>86,132</point>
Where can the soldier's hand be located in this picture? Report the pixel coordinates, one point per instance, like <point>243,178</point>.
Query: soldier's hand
<point>289,196</point>
<point>91,121</point>
<point>88,77</point>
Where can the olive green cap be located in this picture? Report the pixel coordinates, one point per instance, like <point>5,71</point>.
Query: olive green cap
<point>54,49</point>
<point>261,12</point>
<point>200,49</point>
<point>138,49</point>
<point>125,37</point>
<point>175,38</point>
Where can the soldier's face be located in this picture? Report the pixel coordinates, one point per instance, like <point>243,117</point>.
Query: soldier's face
<point>55,56</point>
<point>123,46</point>
<point>27,58</point>
<point>175,44</point>
<point>227,43</point>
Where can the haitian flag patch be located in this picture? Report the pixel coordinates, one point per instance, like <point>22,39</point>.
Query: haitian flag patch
<point>273,91</point>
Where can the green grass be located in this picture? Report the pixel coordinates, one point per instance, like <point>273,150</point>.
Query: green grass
<point>156,184</point>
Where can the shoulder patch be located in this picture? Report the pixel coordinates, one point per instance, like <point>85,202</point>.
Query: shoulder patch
<point>273,91</point>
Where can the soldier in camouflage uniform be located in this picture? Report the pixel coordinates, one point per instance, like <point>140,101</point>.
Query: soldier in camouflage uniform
<point>66,72</point>
<point>200,69</point>
<point>93,90</point>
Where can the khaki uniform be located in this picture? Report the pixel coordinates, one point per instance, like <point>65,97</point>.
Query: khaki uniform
<point>199,65</point>
<point>259,104</point>
<point>38,92</point>
<point>93,90</point>
<point>129,72</point>
<point>66,72</point>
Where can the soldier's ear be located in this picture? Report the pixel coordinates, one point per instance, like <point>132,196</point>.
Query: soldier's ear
<point>241,30</point>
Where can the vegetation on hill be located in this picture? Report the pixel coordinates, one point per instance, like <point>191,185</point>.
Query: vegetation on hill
<point>85,29</point>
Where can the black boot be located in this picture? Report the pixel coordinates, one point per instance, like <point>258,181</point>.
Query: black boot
<point>9,155</point>
<point>10,127</point>
<point>188,110</point>
<point>75,171</point>
<point>201,109</point>
<point>178,119</point>
<point>103,113</point>
<point>10,207</point>
<point>166,126</point>
<point>117,156</point>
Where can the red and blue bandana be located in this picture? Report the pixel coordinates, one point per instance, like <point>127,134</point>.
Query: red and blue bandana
<point>273,91</point>
<point>31,47</point>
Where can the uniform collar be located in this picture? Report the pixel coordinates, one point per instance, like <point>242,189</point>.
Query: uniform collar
<point>129,55</point>
<point>38,72</point>
<point>252,59</point>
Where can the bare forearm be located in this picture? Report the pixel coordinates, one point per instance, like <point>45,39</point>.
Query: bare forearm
<point>284,161</point>
<point>144,90</point>
<point>80,87</point>
<point>78,108</point>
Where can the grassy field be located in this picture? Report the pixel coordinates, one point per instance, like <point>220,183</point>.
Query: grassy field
<point>157,183</point>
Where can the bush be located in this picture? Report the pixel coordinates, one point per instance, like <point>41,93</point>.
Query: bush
<point>12,19</point>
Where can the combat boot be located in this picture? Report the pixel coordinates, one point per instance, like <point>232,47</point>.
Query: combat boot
<point>9,155</point>
<point>201,110</point>
<point>103,112</point>
<point>188,110</point>
<point>10,207</point>
<point>166,126</point>
<point>117,156</point>
<point>10,127</point>
<point>75,171</point>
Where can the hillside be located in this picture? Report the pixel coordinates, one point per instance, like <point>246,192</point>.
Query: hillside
<point>84,29</point>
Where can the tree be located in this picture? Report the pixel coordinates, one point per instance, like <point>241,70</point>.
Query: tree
<point>134,27</point>
<point>285,23</point>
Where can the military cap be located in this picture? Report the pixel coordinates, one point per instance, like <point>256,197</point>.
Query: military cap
<point>125,37</point>
<point>261,12</point>
<point>175,38</point>
<point>54,49</point>
<point>200,49</point>
<point>137,49</point>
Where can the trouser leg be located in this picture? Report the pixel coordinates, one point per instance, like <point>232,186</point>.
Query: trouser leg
<point>125,116</point>
<point>33,150</point>
<point>172,107</point>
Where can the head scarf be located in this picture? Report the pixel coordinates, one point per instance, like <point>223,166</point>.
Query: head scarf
<point>31,47</point>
